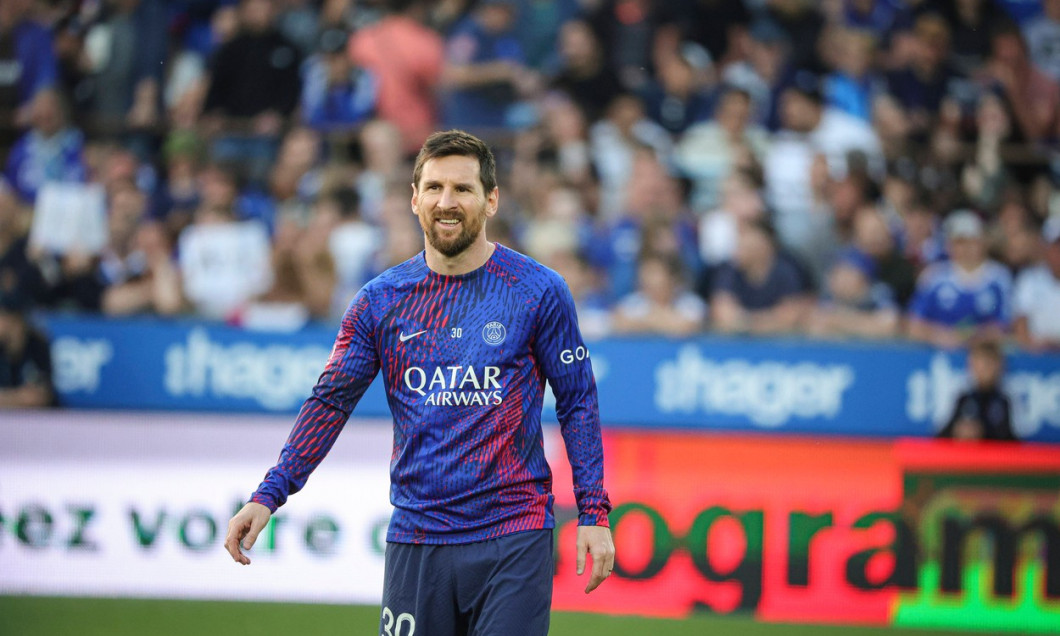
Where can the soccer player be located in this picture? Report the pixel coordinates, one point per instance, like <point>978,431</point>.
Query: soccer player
<point>465,335</point>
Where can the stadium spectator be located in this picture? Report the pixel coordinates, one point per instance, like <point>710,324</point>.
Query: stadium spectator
<point>177,196</point>
<point>683,93</point>
<point>878,17</point>
<point>741,202</point>
<point>967,296</point>
<point>27,62</point>
<point>759,71</point>
<point>653,219</point>
<point>983,412</point>
<point>921,239</point>
<point>803,24</point>
<point>407,57</point>
<point>709,151</point>
<point>583,73</point>
<point>254,87</point>
<point>810,129</point>
<point>925,78</point>
<point>303,276</point>
<point>716,25</point>
<point>224,262</point>
<point>353,244</point>
<point>302,22</point>
<point>402,236</point>
<point>294,180</point>
<point>614,143</point>
<point>558,224</point>
<point>1042,35</point>
<point>873,238</point>
<point>853,85</point>
<point>853,305</point>
<point>627,31</point>
<point>540,24</point>
<point>337,96</point>
<point>137,269</point>
<point>485,74</point>
<point>970,24</point>
<point>893,126</point>
<point>52,150</point>
<point>1032,95</point>
<point>19,275</point>
<point>1037,297</point>
<point>150,282</point>
<point>566,136</point>
<point>660,304</point>
<point>1015,237</point>
<point>126,51</point>
<point>761,290</point>
<point>25,358</point>
<point>382,163</point>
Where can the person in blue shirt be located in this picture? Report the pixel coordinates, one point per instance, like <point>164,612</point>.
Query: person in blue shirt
<point>336,94</point>
<point>485,73</point>
<point>465,334</point>
<point>27,60</point>
<point>51,150</point>
<point>966,296</point>
<point>761,290</point>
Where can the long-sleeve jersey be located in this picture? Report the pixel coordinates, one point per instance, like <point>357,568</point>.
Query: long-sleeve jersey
<point>464,362</point>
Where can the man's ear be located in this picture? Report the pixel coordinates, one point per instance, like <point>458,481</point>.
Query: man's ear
<point>493,202</point>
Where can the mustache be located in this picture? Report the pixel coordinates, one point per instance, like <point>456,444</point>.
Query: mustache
<point>449,216</point>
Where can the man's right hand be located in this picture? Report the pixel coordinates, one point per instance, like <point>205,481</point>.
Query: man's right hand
<point>243,530</point>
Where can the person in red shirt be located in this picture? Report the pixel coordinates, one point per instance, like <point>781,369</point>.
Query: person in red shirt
<point>407,57</point>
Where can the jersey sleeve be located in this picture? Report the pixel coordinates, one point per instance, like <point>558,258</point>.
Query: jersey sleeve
<point>351,367</point>
<point>564,359</point>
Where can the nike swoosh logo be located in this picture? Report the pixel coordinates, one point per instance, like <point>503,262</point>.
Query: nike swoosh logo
<point>402,337</point>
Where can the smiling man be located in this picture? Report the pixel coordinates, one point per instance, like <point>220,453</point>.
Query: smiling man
<point>465,334</point>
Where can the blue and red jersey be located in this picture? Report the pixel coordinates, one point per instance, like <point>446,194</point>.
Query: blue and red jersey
<point>464,362</point>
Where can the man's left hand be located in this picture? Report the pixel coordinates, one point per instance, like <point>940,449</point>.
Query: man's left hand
<point>596,541</point>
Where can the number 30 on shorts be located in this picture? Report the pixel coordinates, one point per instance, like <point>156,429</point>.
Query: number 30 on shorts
<point>404,624</point>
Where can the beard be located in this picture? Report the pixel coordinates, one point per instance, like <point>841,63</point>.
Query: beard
<point>471,227</point>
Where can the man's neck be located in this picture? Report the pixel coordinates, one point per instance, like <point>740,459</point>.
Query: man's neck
<point>474,257</point>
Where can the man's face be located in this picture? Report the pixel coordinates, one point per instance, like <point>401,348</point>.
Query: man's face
<point>798,112</point>
<point>256,15</point>
<point>752,248</point>
<point>451,204</point>
<point>984,369</point>
<point>968,252</point>
<point>497,18</point>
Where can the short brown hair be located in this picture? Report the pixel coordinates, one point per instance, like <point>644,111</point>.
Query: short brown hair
<point>459,143</point>
<point>987,347</point>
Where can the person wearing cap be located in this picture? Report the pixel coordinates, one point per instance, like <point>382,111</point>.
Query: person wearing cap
<point>25,358</point>
<point>965,296</point>
<point>1037,297</point>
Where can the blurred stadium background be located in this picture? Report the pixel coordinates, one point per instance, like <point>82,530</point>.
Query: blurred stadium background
<point>784,223</point>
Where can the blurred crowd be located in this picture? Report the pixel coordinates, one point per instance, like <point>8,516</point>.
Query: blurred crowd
<point>839,169</point>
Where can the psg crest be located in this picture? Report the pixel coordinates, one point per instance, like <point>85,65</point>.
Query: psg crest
<point>493,333</point>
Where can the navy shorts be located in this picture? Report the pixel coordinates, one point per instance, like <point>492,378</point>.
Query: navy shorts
<point>501,586</point>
